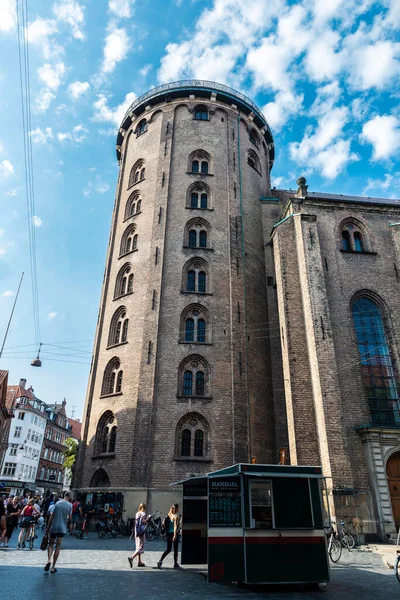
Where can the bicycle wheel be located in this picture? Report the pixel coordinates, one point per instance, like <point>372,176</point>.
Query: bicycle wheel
<point>351,540</point>
<point>31,540</point>
<point>335,550</point>
<point>396,568</point>
<point>150,534</point>
<point>114,533</point>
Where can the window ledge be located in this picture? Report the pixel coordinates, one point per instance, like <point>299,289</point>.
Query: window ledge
<point>197,208</point>
<point>104,455</point>
<point>126,253</point>
<point>139,133</point>
<point>122,296</point>
<point>181,397</point>
<point>197,293</point>
<point>356,252</point>
<point>136,183</point>
<point>115,345</point>
<point>132,216</point>
<point>195,119</point>
<point>111,395</point>
<point>197,248</point>
<point>254,169</point>
<point>194,342</point>
<point>200,174</point>
<point>192,459</point>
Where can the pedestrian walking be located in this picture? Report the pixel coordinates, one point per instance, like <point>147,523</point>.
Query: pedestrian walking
<point>172,525</point>
<point>27,515</point>
<point>87,512</point>
<point>76,516</point>
<point>57,528</point>
<point>140,530</point>
<point>14,508</point>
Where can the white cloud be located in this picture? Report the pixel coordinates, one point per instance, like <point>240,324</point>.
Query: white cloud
<point>112,115</point>
<point>78,89</point>
<point>379,184</point>
<point>41,136</point>
<point>117,46</point>
<point>44,100</point>
<point>52,75</point>
<point>374,65</point>
<point>37,221</point>
<point>8,16</point>
<point>77,135</point>
<point>41,32</point>
<point>6,168</point>
<point>144,71</point>
<point>97,185</point>
<point>51,315</point>
<point>11,193</point>
<point>383,132</point>
<point>323,62</point>
<point>7,294</point>
<point>280,110</point>
<point>121,8</point>
<point>71,12</point>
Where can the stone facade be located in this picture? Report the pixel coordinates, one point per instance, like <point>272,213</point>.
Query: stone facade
<point>225,329</point>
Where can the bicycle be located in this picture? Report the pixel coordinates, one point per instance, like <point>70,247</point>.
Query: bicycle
<point>154,527</point>
<point>346,538</point>
<point>106,527</point>
<point>334,546</point>
<point>32,534</point>
<point>396,566</point>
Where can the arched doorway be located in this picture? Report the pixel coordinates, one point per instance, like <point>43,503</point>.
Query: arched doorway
<point>393,475</point>
<point>100,479</point>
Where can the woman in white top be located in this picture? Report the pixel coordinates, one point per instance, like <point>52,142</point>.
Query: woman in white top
<point>140,528</point>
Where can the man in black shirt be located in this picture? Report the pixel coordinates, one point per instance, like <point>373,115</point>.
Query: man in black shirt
<point>87,511</point>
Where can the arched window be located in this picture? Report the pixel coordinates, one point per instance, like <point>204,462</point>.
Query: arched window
<point>346,244</point>
<point>199,443</point>
<point>192,238</point>
<point>198,196</point>
<point>254,161</point>
<point>124,282</point>
<point>203,239</point>
<point>376,363</point>
<point>192,437</point>
<point>119,323</point>
<point>195,276</point>
<point>135,242</point>
<point>100,479</point>
<point>201,112</point>
<point>253,137</point>
<point>128,240</point>
<point>106,434</point>
<point>142,127</point>
<point>186,442</point>
<point>199,161</point>
<point>111,374</point>
<point>133,205</point>
<point>137,172</point>
<point>201,330</point>
<point>193,376</point>
<point>189,330</point>
<point>354,235</point>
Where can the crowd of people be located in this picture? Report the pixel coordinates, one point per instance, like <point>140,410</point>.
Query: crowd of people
<point>59,516</point>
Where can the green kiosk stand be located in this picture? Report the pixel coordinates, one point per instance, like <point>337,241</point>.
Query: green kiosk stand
<point>265,524</point>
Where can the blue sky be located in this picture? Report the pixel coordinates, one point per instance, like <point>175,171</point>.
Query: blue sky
<point>325,73</point>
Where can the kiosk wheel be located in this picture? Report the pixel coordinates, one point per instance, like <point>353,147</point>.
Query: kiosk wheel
<point>335,550</point>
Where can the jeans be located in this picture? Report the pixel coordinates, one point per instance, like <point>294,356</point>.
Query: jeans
<point>169,547</point>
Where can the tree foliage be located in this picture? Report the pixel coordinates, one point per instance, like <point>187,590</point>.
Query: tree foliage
<point>70,454</point>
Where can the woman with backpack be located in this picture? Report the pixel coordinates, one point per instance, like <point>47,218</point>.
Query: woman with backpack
<point>140,530</point>
<point>171,524</point>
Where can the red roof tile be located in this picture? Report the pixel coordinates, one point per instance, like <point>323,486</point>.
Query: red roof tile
<point>76,428</point>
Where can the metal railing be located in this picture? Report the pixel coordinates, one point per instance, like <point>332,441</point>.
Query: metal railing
<point>195,83</point>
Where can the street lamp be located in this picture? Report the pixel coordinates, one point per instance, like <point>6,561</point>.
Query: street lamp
<point>37,362</point>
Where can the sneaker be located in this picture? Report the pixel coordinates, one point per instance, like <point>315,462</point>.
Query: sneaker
<point>159,564</point>
<point>19,546</point>
<point>176,566</point>
<point>23,545</point>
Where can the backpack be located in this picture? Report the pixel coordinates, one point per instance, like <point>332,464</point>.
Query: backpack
<point>75,507</point>
<point>140,527</point>
<point>165,524</point>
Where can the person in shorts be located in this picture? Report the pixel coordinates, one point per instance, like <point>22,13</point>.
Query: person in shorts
<point>76,515</point>
<point>57,528</point>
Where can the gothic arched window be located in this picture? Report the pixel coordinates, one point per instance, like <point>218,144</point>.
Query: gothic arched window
<point>128,240</point>
<point>376,363</point>
<point>198,196</point>
<point>192,437</point>
<point>106,434</point>
<point>254,161</point>
<point>354,236</point>
<point>199,162</point>
<point>195,276</point>
<point>133,205</point>
<point>137,172</point>
<point>194,324</point>
<point>124,283</point>
<point>194,375</point>
<point>112,378</point>
<point>142,127</point>
<point>196,233</point>
<point>119,323</point>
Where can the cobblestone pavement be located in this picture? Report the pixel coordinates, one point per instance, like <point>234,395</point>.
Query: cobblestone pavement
<point>99,569</point>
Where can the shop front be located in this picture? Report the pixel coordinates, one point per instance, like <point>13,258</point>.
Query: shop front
<point>16,488</point>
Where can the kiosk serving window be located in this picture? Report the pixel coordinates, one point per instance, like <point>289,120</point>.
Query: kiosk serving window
<point>261,504</point>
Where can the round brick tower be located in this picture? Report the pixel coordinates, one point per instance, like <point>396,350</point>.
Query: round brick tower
<point>181,375</point>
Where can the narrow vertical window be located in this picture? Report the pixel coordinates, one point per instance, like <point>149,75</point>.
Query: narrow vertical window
<point>195,166</point>
<point>130,284</point>
<point>111,383</point>
<point>191,281</point>
<point>113,439</point>
<point>192,238</point>
<point>204,167</point>
<point>117,332</point>
<point>346,240</point>
<point>125,331</point>
<point>119,382</point>
<point>104,442</point>
<point>124,284</point>
<point>198,443</point>
<point>185,443</point>
<point>193,200</point>
<point>187,383</point>
<point>203,239</point>
<point>203,202</point>
<point>202,282</point>
<point>189,330</point>
<point>201,330</point>
<point>135,242</point>
<point>376,363</point>
<point>199,383</point>
<point>358,247</point>
<point>138,206</point>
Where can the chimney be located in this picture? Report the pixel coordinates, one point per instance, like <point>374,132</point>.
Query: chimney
<point>22,383</point>
<point>302,189</point>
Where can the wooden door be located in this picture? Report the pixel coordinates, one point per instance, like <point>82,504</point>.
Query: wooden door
<point>393,474</point>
